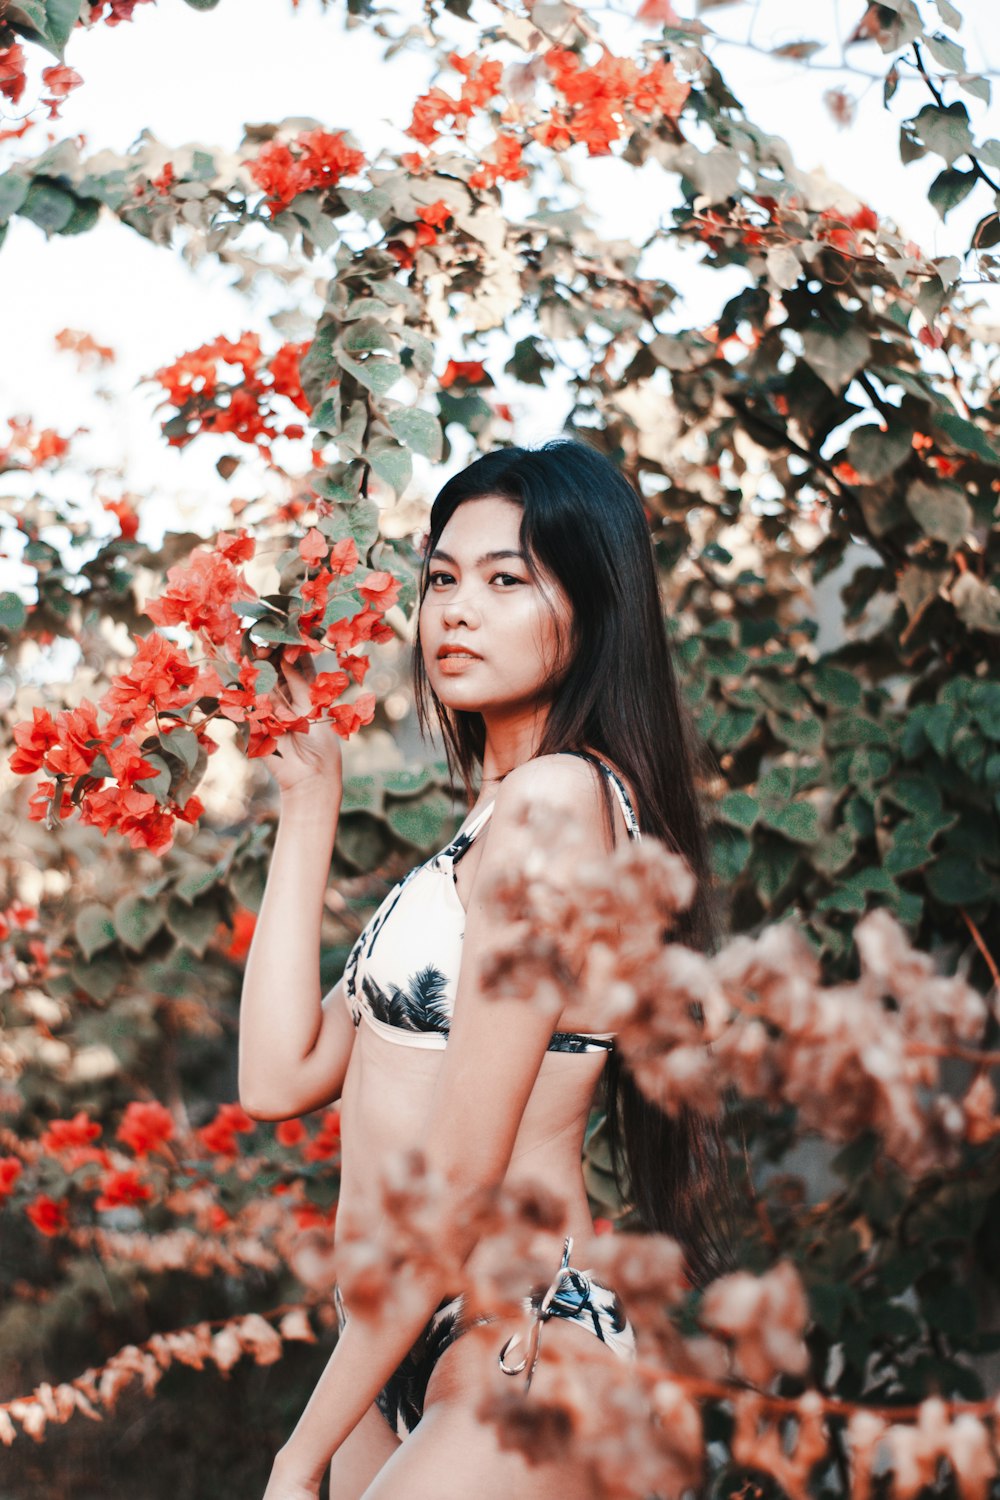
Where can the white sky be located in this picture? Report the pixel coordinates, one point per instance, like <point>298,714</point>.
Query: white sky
<point>199,76</point>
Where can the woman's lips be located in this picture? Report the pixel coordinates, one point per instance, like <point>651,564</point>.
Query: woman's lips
<point>457,660</point>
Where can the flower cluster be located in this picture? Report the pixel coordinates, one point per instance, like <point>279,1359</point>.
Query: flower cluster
<point>135,771</point>
<point>313,160</point>
<point>150,1162</point>
<point>207,403</point>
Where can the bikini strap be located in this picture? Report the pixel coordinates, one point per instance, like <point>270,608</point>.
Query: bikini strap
<point>631,821</point>
<point>462,840</point>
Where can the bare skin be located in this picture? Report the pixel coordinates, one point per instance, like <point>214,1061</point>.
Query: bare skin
<point>497,1106</point>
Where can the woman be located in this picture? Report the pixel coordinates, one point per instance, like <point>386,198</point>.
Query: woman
<point>542,654</point>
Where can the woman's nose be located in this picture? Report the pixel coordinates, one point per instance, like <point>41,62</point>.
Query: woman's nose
<point>460,609</point>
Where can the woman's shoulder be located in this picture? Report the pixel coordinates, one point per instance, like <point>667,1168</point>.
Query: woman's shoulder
<point>562,780</point>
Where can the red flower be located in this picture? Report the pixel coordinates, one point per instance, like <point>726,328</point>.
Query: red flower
<point>236,547</point>
<point>289,1132</point>
<point>312,547</point>
<point>122,1190</point>
<point>469,371</point>
<point>128,521</point>
<point>33,742</point>
<point>327,686</point>
<point>10,1171</point>
<point>244,922</point>
<point>347,718</point>
<point>219,1135</point>
<point>311,1217</point>
<point>314,159</point>
<point>127,763</point>
<point>62,1134</point>
<point>380,589</point>
<point>356,665</point>
<point>200,594</point>
<point>42,798</point>
<point>159,676</point>
<point>48,1214</point>
<point>79,740</point>
<point>145,1126</point>
<point>326,1142</point>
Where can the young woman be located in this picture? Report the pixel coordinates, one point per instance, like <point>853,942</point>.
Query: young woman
<point>541,652</point>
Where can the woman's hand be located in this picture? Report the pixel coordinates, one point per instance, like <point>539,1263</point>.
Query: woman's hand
<point>308,762</point>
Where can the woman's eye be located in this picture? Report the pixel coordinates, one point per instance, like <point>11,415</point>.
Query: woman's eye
<point>508,577</point>
<point>434,578</point>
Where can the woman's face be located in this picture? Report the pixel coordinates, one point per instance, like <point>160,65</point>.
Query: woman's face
<point>490,634</point>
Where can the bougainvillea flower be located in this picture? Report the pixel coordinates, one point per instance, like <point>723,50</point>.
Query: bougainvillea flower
<point>48,1214</point>
<point>219,1135</point>
<point>80,738</point>
<point>200,593</point>
<point>290,1132</point>
<point>10,1171</point>
<point>122,1189</point>
<point>326,687</point>
<point>380,588</point>
<point>60,1134</point>
<point>145,1126</point>
<point>33,741</point>
<point>326,1142</point>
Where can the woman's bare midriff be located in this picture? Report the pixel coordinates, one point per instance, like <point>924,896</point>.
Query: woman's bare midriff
<point>384,1108</point>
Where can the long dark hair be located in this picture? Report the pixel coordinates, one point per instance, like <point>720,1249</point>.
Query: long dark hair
<point>584,524</point>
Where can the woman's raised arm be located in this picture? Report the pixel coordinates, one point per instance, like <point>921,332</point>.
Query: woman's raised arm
<point>294,1046</point>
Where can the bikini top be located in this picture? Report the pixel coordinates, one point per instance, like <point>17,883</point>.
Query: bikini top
<point>402,972</point>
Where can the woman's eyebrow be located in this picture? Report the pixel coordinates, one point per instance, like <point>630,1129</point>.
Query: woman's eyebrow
<point>486,557</point>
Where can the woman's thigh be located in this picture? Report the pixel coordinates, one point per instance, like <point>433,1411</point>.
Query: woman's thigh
<point>453,1453</point>
<point>362,1454</point>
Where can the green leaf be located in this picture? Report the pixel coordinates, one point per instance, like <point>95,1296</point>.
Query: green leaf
<point>965,435</point>
<point>945,131</point>
<point>835,357</point>
<point>202,4</point>
<point>93,928</point>
<point>730,853</point>
<point>419,431</point>
<point>940,510</point>
<point>197,881</point>
<point>738,808</point>
<point>799,822</point>
<point>99,979</point>
<point>193,926</point>
<point>391,463</point>
<point>948,53</point>
<point>49,24</point>
<point>949,189</point>
<point>949,15</point>
<point>13,613</point>
<point>47,206</point>
<point>954,880</point>
<point>160,784</point>
<point>407,783</point>
<point>425,823</point>
<point>371,204</point>
<point>376,375</point>
<point>876,454</point>
<point>13,191</point>
<point>836,686</point>
<point>362,794</point>
<point>184,744</point>
<point>136,921</point>
<point>365,335</point>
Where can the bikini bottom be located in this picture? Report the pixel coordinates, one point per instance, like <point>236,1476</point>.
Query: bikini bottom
<point>571,1294</point>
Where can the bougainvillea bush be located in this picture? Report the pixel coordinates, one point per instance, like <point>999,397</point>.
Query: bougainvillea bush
<point>826,446</point>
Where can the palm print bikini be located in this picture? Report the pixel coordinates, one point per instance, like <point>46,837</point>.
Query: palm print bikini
<point>417,1013</point>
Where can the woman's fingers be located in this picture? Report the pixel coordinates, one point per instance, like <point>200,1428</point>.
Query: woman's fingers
<point>298,686</point>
